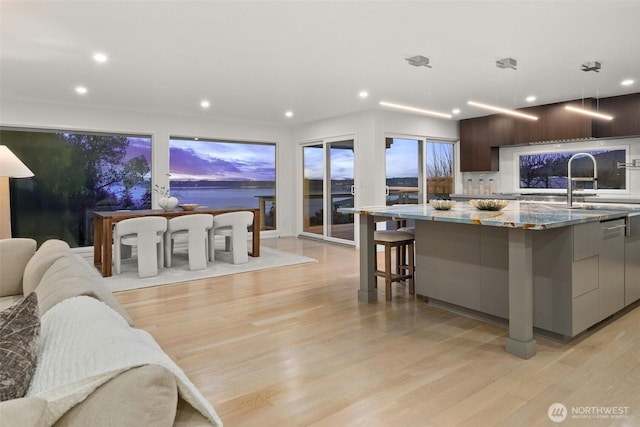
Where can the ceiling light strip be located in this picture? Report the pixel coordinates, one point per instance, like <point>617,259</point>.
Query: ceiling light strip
<point>502,110</point>
<point>415,110</point>
<point>588,112</point>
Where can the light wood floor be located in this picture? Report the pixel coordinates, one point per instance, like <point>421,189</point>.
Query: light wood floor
<point>292,346</point>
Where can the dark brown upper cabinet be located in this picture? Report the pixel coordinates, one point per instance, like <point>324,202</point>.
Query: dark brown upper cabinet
<point>625,110</point>
<point>480,138</point>
<point>554,123</point>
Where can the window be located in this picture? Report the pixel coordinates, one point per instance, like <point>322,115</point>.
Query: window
<point>549,170</point>
<point>225,174</point>
<point>403,158</point>
<point>406,170</point>
<point>75,174</point>
<point>439,169</point>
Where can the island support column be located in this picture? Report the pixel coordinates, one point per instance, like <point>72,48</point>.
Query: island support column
<point>367,291</point>
<point>520,341</point>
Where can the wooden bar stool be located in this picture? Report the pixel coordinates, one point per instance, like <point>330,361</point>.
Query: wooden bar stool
<point>402,259</point>
<point>401,240</point>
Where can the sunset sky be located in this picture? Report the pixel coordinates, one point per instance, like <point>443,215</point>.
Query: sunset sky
<point>190,159</point>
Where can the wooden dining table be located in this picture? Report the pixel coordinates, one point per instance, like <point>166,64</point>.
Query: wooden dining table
<point>103,224</point>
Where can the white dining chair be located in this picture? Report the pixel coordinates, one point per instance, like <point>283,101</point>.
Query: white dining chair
<point>194,229</point>
<point>233,226</point>
<point>147,235</point>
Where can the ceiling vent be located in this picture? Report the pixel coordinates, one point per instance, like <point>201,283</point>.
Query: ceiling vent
<point>591,66</point>
<point>507,63</point>
<point>419,61</point>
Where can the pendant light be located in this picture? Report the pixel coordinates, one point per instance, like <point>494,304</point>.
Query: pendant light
<point>506,63</point>
<point>594,66</point>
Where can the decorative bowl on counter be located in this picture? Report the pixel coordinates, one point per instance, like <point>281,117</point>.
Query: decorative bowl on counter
<point>442,205</point>
<point>188,206</point>
<point>488,204</point>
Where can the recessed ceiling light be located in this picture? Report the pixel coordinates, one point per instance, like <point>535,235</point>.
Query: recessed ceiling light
<point>363,94</point>
<point>81,90</point>
<point>627,82</point>
<point>415,110</point>
<point>205,104</point>
<point>99,57</point>
<point>289,114</point>
<point>455,111</point>
<point>530,98</point>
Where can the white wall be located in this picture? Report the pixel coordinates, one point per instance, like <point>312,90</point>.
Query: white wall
<point>161,127</point>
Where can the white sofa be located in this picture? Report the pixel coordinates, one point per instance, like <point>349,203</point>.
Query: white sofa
<point>92,366</point>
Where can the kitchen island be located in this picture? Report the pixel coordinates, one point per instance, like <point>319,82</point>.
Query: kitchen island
<point>460,250</point>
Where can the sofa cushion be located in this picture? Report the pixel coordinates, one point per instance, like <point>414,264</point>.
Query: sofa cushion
<point>68,277</point>
<point>24,412</point>
<point>40,262</point>
<point>14,256</point>
<point>143,396</point>
<point>19,339</point>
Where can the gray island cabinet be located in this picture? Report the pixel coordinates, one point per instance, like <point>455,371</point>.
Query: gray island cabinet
<point>537,265</point>
<point>578,271</point>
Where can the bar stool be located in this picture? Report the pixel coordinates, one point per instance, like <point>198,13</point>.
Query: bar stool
<point>399,240</point>
<point>403,254</point>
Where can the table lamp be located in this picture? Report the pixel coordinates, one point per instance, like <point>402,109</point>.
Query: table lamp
<point>10,167</point>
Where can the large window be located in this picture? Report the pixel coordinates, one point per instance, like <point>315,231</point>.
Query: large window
<point>75,174</point>
<point>549,170</point>
<point>225,174</point>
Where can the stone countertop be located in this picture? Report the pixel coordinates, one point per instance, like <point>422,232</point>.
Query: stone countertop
<point>534,216</point>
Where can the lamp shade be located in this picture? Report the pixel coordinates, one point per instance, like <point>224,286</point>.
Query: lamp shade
<point>11,166</point>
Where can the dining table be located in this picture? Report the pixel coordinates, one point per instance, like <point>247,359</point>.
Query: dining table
<point>103,224</point>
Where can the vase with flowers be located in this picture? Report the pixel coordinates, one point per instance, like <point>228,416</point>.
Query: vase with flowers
<point>166,202</point>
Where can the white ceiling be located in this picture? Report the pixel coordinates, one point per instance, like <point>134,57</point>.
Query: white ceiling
<point>255,60</point>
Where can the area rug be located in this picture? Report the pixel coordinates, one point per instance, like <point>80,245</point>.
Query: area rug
<point>179,271</point>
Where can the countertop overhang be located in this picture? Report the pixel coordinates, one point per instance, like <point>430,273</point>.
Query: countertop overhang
<point>525,215</point>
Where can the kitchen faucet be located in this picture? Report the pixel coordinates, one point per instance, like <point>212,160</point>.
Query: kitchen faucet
<point>571,180</point>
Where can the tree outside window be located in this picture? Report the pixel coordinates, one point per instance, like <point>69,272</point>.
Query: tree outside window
<point>549,170</point>
<point>75,175</point>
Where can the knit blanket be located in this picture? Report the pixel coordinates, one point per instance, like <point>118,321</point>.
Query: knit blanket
<point>84,344</point>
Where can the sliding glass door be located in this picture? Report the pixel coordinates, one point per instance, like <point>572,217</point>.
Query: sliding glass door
<point>328,173</point>
<point>418,170</point>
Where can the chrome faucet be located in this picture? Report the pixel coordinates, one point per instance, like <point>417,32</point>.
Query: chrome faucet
<point>571,180</point>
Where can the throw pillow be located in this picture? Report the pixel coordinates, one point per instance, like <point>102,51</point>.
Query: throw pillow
<point>19,338</point>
